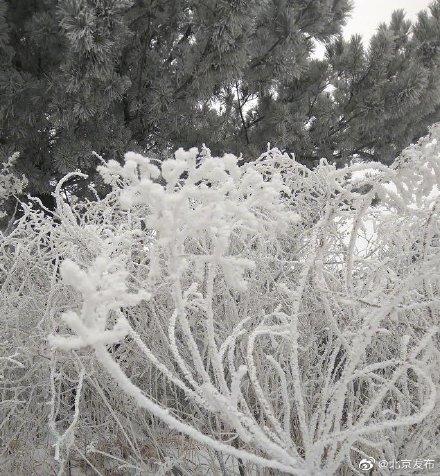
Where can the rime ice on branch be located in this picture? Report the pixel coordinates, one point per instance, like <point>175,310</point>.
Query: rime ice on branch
<point>306,350</point>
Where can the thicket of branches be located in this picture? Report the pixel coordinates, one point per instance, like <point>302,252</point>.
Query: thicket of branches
<point>209,316</point>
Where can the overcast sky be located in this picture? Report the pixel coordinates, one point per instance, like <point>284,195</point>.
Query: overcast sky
<point>368,14</point>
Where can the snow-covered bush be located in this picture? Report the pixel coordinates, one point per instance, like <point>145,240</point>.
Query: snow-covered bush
<point>209,316</point>
<point>10,184</point>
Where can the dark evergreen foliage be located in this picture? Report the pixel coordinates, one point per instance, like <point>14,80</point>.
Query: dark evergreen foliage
<point>153,75</point>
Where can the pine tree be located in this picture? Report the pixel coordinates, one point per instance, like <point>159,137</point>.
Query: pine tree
<point>385,96</point>
<point>148,75</point>
<point>112,75</point>
<point>365,102</point>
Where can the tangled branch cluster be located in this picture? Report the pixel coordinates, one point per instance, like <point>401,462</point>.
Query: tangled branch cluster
<point>271,315</point>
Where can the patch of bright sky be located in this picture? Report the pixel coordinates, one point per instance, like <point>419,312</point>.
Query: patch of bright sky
<point>367,15</point>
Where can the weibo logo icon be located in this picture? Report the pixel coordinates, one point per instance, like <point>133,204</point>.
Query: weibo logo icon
<point>366,464</point>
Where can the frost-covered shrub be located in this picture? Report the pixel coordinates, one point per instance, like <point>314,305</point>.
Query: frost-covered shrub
<point>10,184</point>
<point>206,316</point>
